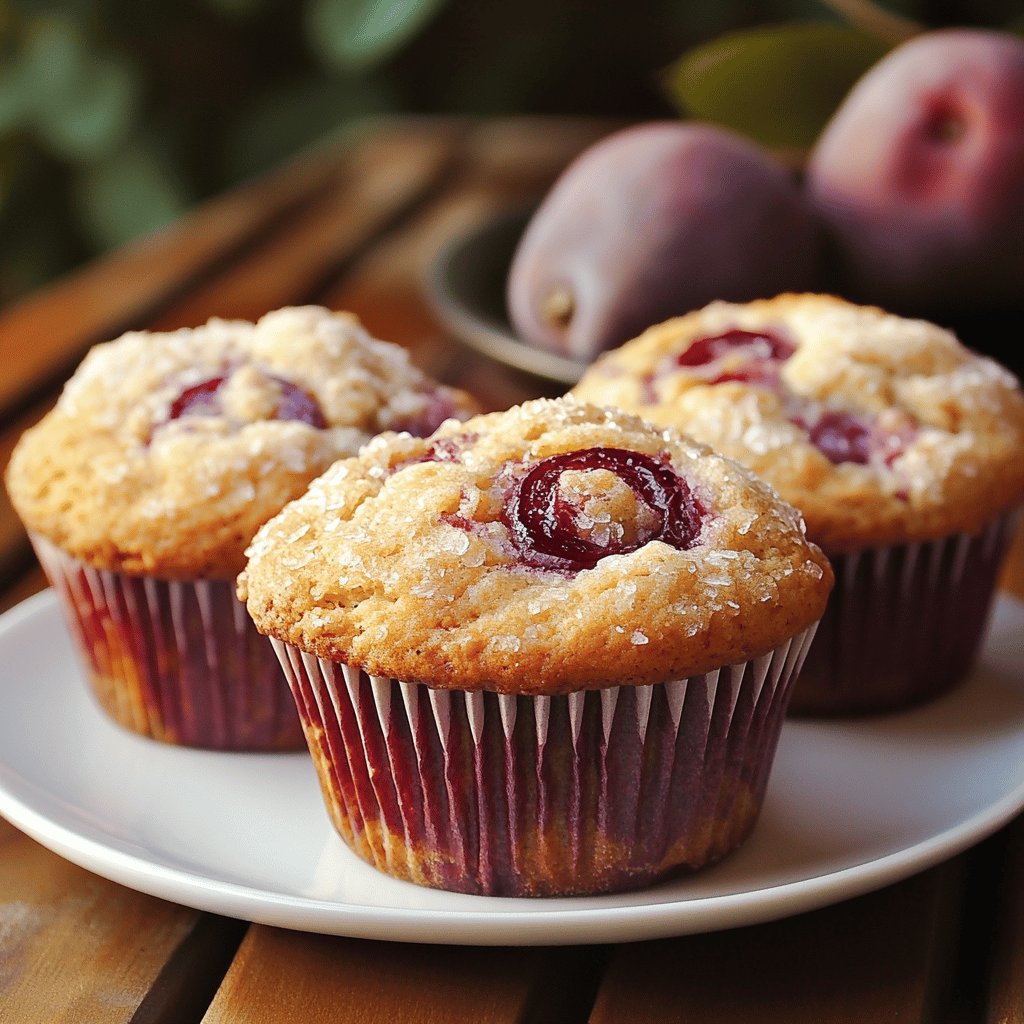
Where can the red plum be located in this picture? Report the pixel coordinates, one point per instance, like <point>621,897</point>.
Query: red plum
<point>920,175</point>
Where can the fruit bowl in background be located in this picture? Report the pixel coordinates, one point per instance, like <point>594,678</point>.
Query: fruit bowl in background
<point>466,287</point>
<point>906,191</point>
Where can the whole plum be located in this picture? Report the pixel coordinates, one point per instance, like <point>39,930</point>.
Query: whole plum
<point>920,175</point>
<point>651,222</point>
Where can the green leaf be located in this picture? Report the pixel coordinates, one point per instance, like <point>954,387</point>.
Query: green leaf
<point>53,60</point>
<point>96,115</point>
<point>81,101</point>
<point>132,192</point>
<point>16,98</point>
<point>778,84</point>
<point>352,35</point>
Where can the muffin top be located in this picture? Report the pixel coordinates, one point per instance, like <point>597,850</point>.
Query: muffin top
<point>553,547</point>
<point>879,429</point>
<point>166,452</point>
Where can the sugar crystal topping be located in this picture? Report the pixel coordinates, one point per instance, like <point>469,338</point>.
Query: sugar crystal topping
<point>524,535</point>
<point>212,430</point>
<point>832,401</point>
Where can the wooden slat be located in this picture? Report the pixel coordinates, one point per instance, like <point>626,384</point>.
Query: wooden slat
<point>283,977</point>
<point>43,336</point>
<point>182,991</point>
<point>75,947</point>
<point>1006,979</point>
<point>533,151</point>
<point>382,180</point>
<point>879,958</point>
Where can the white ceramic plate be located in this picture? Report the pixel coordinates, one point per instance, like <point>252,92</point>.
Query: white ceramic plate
<point>851,807</point>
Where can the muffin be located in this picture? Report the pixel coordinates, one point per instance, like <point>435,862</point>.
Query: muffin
<point>902,449</point>
<point>546,651</point>
<point>143,486</point>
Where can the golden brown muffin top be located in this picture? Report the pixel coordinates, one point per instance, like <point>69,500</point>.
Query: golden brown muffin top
<point>553,547</point>
<point>879,429</point>
<point>166,452</point>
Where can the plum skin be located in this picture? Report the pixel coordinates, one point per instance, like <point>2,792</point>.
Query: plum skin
<point>651,222</point>
<point>919,175</point>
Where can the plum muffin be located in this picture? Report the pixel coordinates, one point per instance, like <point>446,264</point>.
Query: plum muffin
<point>901,448</point>
<point>546,651</point>
<point>143,486</point>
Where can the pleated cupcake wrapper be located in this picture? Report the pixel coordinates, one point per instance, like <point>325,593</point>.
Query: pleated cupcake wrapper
<point>903,624</point>
<point>179,661</point>
<point>512,795</point>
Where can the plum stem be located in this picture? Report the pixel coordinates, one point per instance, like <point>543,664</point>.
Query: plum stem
<point>558,307</point>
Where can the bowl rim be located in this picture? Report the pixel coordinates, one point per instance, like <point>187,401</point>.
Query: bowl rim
<point>480,331</point>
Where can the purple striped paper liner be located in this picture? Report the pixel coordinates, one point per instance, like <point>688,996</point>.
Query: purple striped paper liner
<point>179,661</point>
<point>903,624</point>
<point>510,795</point>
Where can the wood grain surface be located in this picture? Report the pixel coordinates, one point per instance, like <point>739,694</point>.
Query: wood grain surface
<point>44,336</point>
<point>285,977</point>
<point>75,947</point>
<point>1005,995</point>
<point>875,958</point>
<point>374,186</point>
<point>357,224</point>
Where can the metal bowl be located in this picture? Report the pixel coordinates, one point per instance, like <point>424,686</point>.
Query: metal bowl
<point>466,287</point>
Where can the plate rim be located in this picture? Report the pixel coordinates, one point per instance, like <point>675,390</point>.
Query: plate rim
<point>561,926</point>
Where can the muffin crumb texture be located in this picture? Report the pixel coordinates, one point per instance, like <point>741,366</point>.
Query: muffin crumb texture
<point>165,452</point>
<point>476,559</point>
<point>879,428</point>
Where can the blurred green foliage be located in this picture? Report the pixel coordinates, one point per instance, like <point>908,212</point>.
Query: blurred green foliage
<point>118,115</point>
<point>353,35</point>
<point>780,83</point>
<point>777,84</point>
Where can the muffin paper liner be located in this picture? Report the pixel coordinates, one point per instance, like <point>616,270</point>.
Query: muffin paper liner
<point>552,795</point>
<point>903,624</point>
<point>179,661</point>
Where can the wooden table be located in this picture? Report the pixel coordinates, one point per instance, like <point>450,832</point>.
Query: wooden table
<point>354,225</point>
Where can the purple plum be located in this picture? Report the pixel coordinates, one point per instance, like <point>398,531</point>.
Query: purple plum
<point>651,222</point>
